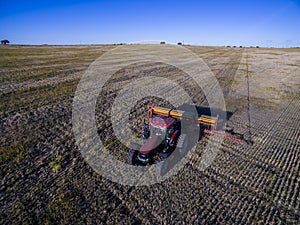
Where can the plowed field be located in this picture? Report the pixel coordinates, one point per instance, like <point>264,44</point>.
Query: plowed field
<point>44,178</point>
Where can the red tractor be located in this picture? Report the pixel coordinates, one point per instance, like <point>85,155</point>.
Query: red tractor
<point>165,131</point>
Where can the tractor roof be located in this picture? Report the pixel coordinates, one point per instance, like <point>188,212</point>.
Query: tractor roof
<point>161,121</point>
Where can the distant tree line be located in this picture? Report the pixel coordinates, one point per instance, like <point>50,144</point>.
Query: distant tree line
<point>163,43</point>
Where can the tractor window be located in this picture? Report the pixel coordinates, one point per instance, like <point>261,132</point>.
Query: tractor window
<point>157,131</point>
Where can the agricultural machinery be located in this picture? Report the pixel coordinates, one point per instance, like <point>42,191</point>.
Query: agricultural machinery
<point>168,129</point>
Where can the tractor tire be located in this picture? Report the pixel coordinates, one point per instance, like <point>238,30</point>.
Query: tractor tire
<point>183,144</point>
<point>164,155</point>
<point>146,132</point>
<point>132,157</point>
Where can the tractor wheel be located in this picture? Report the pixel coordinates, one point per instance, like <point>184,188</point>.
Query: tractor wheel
<point>183,144</point>
<point>132,157</point>
<point>161,168</point>
<point>164,155</point>
<point>146,131</point>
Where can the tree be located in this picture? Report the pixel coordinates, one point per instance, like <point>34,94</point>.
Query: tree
<point>4,42</point>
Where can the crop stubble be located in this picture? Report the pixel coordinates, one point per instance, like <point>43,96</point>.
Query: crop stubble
<point>245,184</point>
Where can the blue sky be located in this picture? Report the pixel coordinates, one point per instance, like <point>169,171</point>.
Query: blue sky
<point>257,22</point>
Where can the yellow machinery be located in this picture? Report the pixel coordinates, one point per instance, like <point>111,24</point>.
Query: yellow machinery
<point>178,114</point>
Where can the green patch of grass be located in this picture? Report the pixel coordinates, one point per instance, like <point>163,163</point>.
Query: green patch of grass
<point>262,103</point>
<point>11,157</point>
<point>287,95</point>
<point>36,96</point>
<point>62,210</point>
<point>56,164</point>
<point>236,102</point>
<point>17,211</point>
<point>225,81</point>
<point>31,63</point>
<point>292,64</point>
<point>269,53</point>
<point>16,153</point>
<point>272,89</point>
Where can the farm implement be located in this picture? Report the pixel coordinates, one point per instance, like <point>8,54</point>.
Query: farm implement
<point>168,129</point>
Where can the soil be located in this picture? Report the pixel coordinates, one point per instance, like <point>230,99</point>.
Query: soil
<point>44,178</point>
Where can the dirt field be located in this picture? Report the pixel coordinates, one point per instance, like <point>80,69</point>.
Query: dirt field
<point>44,178</point>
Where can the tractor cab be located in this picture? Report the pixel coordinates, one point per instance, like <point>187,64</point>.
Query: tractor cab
<point>161,126</point>
<point>158,135</point>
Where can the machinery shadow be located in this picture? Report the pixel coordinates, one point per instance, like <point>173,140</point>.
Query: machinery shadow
<point>207,111</point>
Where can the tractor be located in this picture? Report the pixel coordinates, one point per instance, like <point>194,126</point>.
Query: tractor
<point>164,131</point>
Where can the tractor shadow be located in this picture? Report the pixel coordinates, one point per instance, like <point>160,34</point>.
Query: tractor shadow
<point>224,116</point>
<point>207,111</point>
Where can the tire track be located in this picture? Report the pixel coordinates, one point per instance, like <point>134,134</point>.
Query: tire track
<point>227,74</point>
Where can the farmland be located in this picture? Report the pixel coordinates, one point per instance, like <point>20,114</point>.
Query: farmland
<point>44,178</point>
